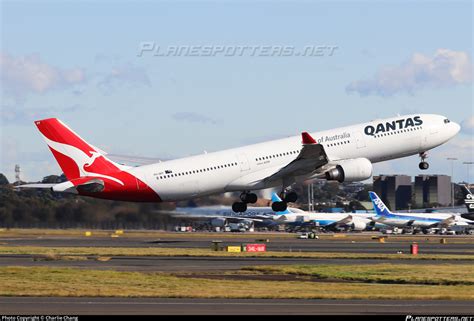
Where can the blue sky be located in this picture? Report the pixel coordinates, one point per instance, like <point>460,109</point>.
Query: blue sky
<point>78,61</point>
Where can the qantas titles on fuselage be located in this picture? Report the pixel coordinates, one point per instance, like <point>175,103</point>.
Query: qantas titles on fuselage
<point>393,125</point>
<point>343,154</point>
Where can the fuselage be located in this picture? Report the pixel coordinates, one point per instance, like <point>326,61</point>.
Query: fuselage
<point>422,219</point>
<point>244,168</point>
<point>291,216</point>
<point>344,154</point>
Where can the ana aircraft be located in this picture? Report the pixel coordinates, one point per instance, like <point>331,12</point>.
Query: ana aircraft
<point>343,154</point>
<point>419,220</point>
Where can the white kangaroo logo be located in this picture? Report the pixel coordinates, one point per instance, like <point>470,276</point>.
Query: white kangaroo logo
<point>81,159</point>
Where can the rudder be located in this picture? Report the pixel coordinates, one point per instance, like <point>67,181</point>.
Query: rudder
<point>74,155</point>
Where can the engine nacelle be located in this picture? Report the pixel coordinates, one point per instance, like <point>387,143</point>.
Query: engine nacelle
<point>350,170</point>
<point>218,222</point>
<point>358,226</point>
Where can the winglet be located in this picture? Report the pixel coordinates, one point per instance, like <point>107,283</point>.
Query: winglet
<point>307,139</point>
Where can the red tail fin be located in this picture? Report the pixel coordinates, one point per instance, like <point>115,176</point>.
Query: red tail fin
<point>75,156</point>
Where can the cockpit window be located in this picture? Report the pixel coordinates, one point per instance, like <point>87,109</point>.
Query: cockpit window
<point>447,121</point>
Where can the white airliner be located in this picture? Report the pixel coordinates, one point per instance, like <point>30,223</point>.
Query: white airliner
<point>421,220</point>
<point>344,154</point>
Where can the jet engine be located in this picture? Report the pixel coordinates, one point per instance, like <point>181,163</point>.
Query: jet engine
<point>358,226</point>
<point>350,170</point>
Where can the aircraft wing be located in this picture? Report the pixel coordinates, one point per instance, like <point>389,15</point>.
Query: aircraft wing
<point>127,159</point>
<point>311,157</point>
<point>133,160</point>
<point>230,218</point>
<point>237,218</point>
<point>446,222</point>
<point>211,216</point>
<point>346,220</point>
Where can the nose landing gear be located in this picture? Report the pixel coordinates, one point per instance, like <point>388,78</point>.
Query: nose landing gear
<point>423,165</point>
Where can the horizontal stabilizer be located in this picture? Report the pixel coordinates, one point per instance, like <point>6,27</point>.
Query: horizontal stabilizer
<point>39,185</point>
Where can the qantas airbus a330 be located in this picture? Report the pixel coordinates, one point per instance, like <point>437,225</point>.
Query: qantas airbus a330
<point>344,154</point>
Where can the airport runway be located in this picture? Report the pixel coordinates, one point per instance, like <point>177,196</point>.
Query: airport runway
<point>196,264</point>
<point>212,266</point>
<point>80,306</point>
<point>275,244</point>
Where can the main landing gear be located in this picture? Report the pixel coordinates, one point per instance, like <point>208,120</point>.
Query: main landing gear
<point>290,197</point>
<point>423,165</point>
<point>240,207</point>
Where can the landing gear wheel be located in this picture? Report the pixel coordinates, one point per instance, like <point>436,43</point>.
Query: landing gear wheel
<point>239,207</point>
<point>424,165</point>
<point>248,197</point>
<point>279,206</point>
<point>291,197</point>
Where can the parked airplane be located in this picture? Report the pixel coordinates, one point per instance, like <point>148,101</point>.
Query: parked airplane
<point>219,216</point>
<point>419,220</point>
<point>344,154</point>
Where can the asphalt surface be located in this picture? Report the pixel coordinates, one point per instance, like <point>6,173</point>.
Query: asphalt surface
<point>198,264</point>
<point>195,264</point>
<point>287,244</point>
<point>82,306</point>
<point>201,265</point>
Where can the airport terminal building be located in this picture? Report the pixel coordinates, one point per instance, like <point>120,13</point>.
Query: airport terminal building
<point>400,193</point>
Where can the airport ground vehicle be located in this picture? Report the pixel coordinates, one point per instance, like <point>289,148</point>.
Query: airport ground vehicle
<point>308,235</point>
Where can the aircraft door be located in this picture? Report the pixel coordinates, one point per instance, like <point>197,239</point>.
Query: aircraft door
<point>360,141</point>
<point>243,162</point>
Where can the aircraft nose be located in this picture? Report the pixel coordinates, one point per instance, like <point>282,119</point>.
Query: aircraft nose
<point>456,128</point>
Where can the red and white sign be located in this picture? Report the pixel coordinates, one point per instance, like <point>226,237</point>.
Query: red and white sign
<point>256,247</point>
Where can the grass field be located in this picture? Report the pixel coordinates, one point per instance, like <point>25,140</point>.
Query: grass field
<point>156,251</point>
<point>42,281</point>
<point>440,274</point>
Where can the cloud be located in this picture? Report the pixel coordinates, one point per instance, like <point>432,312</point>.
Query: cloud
<point>193,118</point>
<point>445,68</point>
<point>34,164</point>
<point>461,147</point>
<point>25,116</point>
<point>24,75</point>
<point>125,74</point>
<point>467,126</point>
